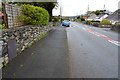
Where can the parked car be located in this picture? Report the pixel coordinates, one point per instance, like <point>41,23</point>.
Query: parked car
<point>66,23</point>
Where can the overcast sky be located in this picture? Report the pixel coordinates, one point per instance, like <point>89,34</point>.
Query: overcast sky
<point>76,7</point>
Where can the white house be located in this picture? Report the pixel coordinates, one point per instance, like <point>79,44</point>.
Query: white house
<point>101,17</point>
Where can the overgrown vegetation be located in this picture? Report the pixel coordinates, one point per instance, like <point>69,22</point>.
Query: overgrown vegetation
<point>105,22</point>
<point>33,15</point>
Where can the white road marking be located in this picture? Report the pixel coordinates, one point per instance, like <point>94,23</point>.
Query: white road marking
<point>105,37</point>
<point>100,35</point>
<point>83,28</point>
<point>114,42</point>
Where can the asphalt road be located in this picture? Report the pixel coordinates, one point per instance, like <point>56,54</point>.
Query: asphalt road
<point>93,51</point>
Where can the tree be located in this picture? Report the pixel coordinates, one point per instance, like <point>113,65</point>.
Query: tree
<point>97,12</point>
<point>47,5</point>
<point>82,19</point>
<point>78,17</point>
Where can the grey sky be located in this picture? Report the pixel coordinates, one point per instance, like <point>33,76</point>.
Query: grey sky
<point>76,7</point>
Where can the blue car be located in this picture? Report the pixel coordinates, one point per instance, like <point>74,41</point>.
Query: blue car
<point>66,23</point>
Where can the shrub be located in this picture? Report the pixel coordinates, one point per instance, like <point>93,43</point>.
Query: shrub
<point>116,27</point>
<point>34,15</point>
<point>95,24</point>
<point>2,26</point>
<point>105,22</point>
<point>88,22</point>
<point>55,19</point>
<point>82,19</point>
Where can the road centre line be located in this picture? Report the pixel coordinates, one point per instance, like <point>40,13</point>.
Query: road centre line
<point>103,36</point>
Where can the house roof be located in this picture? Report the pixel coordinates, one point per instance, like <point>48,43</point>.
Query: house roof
<point>115,16</point>
<point>93,16</point>
<point>107,12</point>
<point>99,16</point>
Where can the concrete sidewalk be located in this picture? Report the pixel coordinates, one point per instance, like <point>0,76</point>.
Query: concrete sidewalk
<point>47,58</point>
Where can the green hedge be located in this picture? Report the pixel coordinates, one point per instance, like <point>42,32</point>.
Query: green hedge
<point>105,22</point>
<point>33,15</point>
<point>2,26</point>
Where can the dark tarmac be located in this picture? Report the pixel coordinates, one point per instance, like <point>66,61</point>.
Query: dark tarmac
<point>48,58</point>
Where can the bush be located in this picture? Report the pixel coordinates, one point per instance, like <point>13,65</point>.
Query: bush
<point>82,19</point>
<point>116,27</point>
<point>2,26</point>
<point>96,24</point>
<point>33,15</point>
<point>88,22</point>
<point>55,19</point>
<point>105,22</point>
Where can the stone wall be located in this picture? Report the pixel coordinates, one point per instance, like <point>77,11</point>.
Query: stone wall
<point>97,24</point>
<point>20,38</point>
<point>116,27</point>
<point>24,35</point>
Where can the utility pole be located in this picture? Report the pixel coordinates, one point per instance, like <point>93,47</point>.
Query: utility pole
<point>60,11</point>
<point>88,8</point>
<point>104,7</point>
<point>60,15</point>
<point>119,5</point>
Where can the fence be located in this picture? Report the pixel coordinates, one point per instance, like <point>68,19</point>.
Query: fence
<point>13,11</point>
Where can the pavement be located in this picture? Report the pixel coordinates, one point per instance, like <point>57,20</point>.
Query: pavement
<point>48,58</point>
